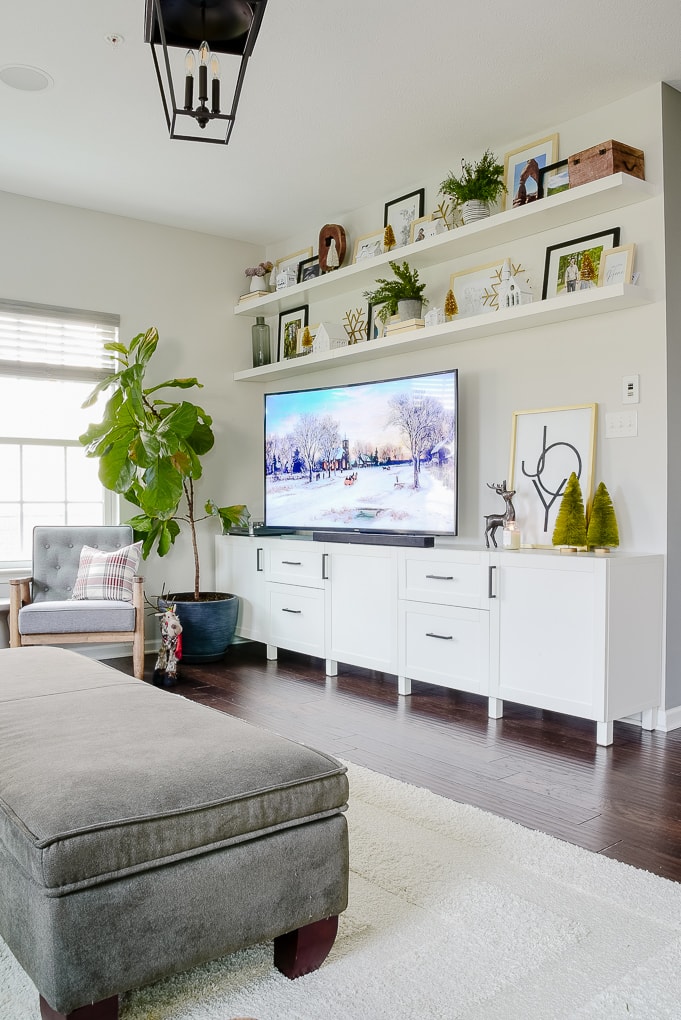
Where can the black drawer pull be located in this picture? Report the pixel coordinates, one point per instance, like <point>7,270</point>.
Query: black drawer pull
<point>296,611</point>
<point>442,637</point>
<point>439,577</point>
<point>291,563</point>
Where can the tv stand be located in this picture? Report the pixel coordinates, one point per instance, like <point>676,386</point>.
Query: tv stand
<point>374,538</point>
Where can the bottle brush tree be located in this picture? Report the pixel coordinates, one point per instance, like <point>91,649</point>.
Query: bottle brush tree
<point>570,526</point>
<point>389,238</point>
<point>602,532</point>
<point>451,307</point>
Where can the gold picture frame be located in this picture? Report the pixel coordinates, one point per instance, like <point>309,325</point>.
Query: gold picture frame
<point>523,186</point>
<point>617,265</point>
<point>369,245</point>
<point>547,445</point>
<point>294,259</point>
<point>418,225</point>
<point>474,289</point>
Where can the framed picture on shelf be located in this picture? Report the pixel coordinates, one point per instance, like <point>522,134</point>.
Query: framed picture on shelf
<point>292,261</point>
<point>419,229</point>
<point>400,213</point>
<point>289,324</point>
<point>476,290</point>
<point>617,265</point>
<point>573,266</point>
<point>375,326</point>
<point>522,168</point>
<point>547,445</point>
<point>369,245</point>
<point>309,269</point>
<point>554,179</point>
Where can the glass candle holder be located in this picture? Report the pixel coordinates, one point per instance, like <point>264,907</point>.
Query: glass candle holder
<point>511,536</point>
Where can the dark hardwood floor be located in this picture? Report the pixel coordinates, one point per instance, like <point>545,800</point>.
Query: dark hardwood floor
<point>541,769</point>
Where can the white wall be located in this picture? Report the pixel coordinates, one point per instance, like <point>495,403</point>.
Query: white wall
<point>184,283</point>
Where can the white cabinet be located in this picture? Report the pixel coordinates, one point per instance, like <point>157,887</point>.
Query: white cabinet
<point>361,618</point>
<point>580,634</point>
<point>240,569</point>
<point>296,597</point>
<point>444,619</point>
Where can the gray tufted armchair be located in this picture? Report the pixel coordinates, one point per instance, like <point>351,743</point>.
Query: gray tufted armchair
<point>42,608</point>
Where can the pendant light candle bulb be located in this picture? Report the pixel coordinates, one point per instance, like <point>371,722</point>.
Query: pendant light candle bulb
<point>215,84</point>
<point>189,66</point>
<point>204,57</point>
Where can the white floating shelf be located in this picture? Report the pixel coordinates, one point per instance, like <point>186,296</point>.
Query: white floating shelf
<point>604,195</point>
<point>595,301</point>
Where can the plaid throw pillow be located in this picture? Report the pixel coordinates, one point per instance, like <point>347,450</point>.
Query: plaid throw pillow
<point>107,575</point>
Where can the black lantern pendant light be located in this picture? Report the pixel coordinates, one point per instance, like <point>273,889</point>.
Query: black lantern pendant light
<point>208,27</point>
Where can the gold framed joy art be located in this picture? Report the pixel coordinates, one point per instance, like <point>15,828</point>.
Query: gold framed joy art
<point>547,445</point>
<point>522,170</point>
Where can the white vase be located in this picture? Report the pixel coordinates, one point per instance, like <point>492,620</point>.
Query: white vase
<point>474,210</point>
<point>258,283</point>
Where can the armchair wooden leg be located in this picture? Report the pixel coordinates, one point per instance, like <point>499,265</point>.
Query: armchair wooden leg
<point>105,1009</point>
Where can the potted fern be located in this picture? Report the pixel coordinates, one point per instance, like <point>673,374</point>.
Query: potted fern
<point>478,186</point>
<point>403,295</point>
<point>150,451</point>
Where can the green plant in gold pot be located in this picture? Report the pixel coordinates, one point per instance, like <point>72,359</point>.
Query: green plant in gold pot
<point>150,451</point>
<point>478,186</point>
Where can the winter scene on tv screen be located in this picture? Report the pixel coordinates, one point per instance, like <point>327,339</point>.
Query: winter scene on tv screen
<point>371,456</point>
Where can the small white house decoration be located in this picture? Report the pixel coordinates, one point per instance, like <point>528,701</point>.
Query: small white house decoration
<point>435,317</point>
<point>513,291</point>
<point>329,336</point>
<point>287,277</point>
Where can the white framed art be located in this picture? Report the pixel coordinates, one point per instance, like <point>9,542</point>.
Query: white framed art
<point>547,445</point>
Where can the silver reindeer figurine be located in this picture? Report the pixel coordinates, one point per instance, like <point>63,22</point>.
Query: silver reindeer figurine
<point>494,521</point>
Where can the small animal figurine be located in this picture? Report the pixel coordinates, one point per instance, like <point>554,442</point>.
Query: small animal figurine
<point>165,670</point>
<point>494,521</point>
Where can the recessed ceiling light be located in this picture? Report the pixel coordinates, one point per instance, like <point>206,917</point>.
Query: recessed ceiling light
<point>24,78</point>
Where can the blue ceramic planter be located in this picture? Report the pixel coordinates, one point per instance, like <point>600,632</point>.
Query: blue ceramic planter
<point>207,627</point>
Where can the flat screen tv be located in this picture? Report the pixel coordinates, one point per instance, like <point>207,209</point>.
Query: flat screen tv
<point>365,457</point>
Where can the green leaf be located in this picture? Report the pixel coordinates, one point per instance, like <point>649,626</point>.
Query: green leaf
<point>232,516</point>
<point>116,470</point>
<point>146,346</point>
<point>181,421</point>
<point>201,439</point>
<point>162,490</point>
<point>181,384</point>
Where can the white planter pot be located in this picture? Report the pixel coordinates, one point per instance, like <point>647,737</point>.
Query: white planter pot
<point>474,210</point>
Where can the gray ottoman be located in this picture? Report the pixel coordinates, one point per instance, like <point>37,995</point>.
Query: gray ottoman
<point>142,834</point>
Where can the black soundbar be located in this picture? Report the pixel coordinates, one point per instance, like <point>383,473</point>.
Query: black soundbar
<point>374,538</point>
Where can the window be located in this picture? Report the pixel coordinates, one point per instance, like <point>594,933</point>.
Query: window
<point>50,359</point>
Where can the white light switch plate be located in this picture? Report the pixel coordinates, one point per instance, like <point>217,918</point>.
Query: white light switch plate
<point>621,424</point>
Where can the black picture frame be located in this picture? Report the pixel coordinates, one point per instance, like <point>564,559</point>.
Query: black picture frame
<point>401,212</point>
<point>309,269</point>
<point>544,174</point>
<point>287,345</point>
<point>375,327</point>
<point>558,255</point>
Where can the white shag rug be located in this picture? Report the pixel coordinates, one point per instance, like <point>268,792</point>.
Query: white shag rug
<point>454,913</point>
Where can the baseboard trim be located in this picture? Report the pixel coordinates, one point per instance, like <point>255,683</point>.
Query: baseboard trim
<point>668,719</point>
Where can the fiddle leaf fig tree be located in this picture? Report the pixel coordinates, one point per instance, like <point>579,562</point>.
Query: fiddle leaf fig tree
<point>150,451</point>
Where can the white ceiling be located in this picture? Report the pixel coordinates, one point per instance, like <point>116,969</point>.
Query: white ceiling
<point>348,99</point>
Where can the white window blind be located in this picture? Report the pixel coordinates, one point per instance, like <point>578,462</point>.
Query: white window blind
<point>41,341</point>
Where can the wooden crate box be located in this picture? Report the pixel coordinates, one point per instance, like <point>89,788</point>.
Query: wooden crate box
<point>602,160</point>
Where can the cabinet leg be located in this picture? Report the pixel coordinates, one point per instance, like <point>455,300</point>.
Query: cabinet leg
<point>604,733</point>
<point>404,685</point>
<point>271,651</point>
<point>331,667</point>
<point>649,719</point>
<point>495,708</point>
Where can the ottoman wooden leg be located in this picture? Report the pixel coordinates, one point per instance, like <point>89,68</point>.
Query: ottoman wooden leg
<point>305,949</point>
<point>105,1009</point>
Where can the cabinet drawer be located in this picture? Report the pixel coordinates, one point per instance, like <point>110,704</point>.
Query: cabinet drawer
<point>296,618</point>
<point>442,579</point>
<point>295,563</point>
<point>447,646</point>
